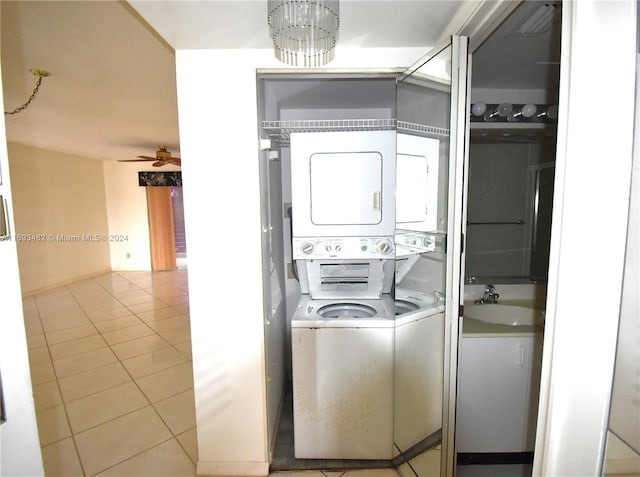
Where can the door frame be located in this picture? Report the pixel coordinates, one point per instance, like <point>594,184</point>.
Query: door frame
<point>592,184</point>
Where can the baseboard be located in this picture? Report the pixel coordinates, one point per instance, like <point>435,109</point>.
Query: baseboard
<point>488,458</point>
<point>233,469</point>
<point>27,294</point>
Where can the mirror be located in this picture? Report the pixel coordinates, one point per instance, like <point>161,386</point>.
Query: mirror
<point>509,211</point>
<point>423,111</point>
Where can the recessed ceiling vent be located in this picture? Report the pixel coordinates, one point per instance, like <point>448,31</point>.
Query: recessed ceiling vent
<point>540,20</point>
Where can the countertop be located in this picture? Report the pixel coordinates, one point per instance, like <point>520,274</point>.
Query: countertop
<point>479,329</point>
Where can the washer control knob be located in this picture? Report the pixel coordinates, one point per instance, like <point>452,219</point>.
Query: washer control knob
<point>307,248</point>
<point>328,248</point>
<point>338,247</point>
<point>383,247</point>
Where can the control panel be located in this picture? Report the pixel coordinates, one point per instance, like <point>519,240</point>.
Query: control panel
<point>308,248</point>
<point>415,242</point>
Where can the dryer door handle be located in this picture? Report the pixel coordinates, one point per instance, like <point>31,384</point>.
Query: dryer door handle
<point>376,200</point>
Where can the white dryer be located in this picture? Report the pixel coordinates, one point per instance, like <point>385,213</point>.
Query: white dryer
<point>343,184</point>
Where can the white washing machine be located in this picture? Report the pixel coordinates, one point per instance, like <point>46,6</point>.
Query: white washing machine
<point>343,378</point>
<point>407,301</point>
<point>419,338</point>
<point>342,332</point>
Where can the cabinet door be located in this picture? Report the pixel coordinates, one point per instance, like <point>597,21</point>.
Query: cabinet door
<point>533,394</point>
<point>494,383</point>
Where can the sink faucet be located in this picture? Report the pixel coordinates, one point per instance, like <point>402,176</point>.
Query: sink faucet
<point>490,296</point>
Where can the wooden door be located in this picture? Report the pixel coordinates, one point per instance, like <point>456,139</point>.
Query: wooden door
<point>163,244</point>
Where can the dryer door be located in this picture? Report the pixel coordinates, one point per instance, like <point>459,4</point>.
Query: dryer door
<point>336,198</point>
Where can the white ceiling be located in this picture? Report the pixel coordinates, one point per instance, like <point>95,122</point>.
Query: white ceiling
<point>508,60</point>
<point>112,92</point>
<point>242,23</point>
<point>112,89</point>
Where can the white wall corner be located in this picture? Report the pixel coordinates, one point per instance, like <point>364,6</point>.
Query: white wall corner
<point>591,187</point>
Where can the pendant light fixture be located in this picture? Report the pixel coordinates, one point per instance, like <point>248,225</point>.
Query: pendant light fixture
<point>39,74</point>
<point>304,32</point>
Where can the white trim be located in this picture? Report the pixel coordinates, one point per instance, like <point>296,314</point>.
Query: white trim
<point>230,469</point>
<point>458,162</point>
<point>477,20</point>
<point>585,270</point>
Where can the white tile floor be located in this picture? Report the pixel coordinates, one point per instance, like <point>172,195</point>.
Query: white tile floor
<point>112,378</point>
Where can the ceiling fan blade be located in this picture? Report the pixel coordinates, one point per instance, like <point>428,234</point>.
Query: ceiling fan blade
<point>137,160</point>
<point>160,160</point>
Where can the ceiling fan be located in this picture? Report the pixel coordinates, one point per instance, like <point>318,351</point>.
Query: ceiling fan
<point>163,156</point>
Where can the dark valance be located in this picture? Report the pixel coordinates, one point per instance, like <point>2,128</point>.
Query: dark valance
<point>150,179</point>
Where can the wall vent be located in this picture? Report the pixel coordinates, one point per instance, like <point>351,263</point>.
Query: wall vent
<point>539,21</point>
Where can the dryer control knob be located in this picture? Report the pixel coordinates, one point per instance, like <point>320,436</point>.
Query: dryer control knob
<point>383,246</point>
<point>307,248</point>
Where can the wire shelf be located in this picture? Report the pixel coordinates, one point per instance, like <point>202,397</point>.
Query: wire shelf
<point>423,129</point>
<point>280,131</point>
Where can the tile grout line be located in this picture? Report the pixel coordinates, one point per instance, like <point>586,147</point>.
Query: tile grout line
<point>64,404</point>
<point>174,435</point>
<point>119,361</point>
<point>172,345</point>
<point>151,404</point>
<point>128,458</point>
<point>73,434</point>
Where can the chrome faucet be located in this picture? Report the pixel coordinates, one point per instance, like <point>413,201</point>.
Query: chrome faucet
<point>490,296</point>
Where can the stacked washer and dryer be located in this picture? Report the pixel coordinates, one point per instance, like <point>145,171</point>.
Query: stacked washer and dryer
<point>342,331</point>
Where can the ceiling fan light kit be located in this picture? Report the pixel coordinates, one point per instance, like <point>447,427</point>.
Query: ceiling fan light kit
<point>162,157</point>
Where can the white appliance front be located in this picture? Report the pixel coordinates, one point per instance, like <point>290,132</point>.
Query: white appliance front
<point>340,279</point>
<point>343,183</point>
<point>417,183</point>
<point>343,378</point>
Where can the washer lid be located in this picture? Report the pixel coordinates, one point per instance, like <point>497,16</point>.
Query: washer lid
<point>346,310</point>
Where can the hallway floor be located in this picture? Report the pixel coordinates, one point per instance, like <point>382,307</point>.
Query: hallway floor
<point>112,377</point>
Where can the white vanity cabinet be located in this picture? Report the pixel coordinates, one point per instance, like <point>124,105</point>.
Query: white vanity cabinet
<point>499,378</point>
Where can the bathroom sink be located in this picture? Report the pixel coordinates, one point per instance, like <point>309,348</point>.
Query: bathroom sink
<point>505,314</point>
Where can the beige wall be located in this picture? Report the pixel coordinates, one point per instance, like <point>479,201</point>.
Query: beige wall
<point>127,214</point>
<point>59,200</point>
